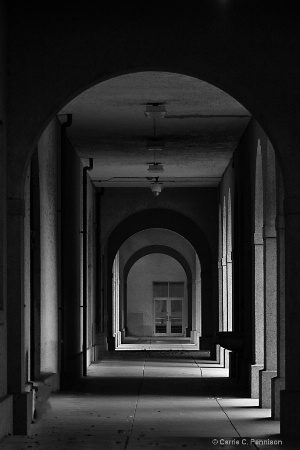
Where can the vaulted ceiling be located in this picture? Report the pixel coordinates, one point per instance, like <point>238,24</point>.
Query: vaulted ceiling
<point>200,131</point>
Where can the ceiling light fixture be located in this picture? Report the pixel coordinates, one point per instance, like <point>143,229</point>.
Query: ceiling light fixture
<point>156,187</point>
<point>155,111</point>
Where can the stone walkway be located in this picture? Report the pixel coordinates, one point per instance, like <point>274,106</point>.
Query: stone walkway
<point>135,400</point>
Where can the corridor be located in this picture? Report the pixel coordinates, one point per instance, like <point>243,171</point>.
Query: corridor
<point>151,399</point>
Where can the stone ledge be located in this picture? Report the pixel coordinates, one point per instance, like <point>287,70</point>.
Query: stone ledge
<point>255,369</point>
<point>265,380</point>
<point>47,383</point>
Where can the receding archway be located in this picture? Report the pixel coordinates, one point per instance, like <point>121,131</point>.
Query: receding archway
<point>166,251</point>
<point>181,224</point>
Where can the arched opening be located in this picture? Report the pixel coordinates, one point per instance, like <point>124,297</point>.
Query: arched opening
<point>184,239</point>
<point>141,213</point>
<point>49,60</point>
<point>157,303</point>
<point>174,254</point>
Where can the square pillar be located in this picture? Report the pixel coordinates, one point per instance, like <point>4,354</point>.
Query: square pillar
<point>258,308</point>
<point>270,317</point>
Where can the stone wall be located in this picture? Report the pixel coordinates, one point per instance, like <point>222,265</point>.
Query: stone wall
<point>5,401</point>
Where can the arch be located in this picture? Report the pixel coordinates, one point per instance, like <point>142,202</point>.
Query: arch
<point>161,218</point>
<point>71,69</point>
<point>166,251</point>
<point>173,68</point>
<point>181,224</point>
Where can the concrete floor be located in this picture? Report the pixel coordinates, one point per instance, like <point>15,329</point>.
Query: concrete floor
<point>152,399</point>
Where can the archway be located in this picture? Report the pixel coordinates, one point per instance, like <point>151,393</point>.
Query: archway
<point>171,220</point>
<point>112,53</point>
<point>161,249</point>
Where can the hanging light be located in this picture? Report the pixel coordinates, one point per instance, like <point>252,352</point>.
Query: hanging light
<point>156,187</point>
<point>155,111</point>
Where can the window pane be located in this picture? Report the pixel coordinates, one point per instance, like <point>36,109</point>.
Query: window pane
<point>176,290</point>
<point>160,289</point>
<point>160,307</point>
<point>176,308</point>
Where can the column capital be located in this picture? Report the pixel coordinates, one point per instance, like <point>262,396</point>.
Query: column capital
<point>16,207</point>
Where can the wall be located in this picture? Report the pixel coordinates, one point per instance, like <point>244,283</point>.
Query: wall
<point>155,267</point>
<point>27,287</point>
<point>5,401</point>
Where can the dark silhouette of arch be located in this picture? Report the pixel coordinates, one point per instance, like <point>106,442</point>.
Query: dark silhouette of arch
<point>111,54</point>
<point>150,249</point>
<point>181,224</point>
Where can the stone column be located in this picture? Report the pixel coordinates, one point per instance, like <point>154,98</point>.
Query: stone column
<point>16,365</point>
<point>258,307</point>
<point>270,275</point>
<point>270,317</point>
<point>290,397</point>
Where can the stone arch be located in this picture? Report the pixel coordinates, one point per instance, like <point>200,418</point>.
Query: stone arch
<point>76,61</point>
<point>174,221</point>
<point>164,249</point>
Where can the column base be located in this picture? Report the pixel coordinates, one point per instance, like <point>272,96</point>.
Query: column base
<point>290,413</point>
<point>277,385</point>
<point>255,370</point>
<point>6,414</point>
<point>195,336</point>
<point>227,356</point>
<point>22,412</point>
<point>42,388</point>
<point>265,397</point>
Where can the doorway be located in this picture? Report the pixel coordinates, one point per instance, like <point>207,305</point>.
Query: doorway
<point>168,308</point>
